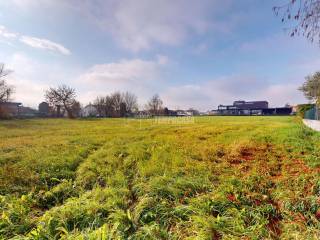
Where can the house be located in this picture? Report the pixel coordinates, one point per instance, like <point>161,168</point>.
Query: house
<point>9,109</point>
<point>27,112</point>
<point>44,109</point>
<point>89,111</point>
<point>192,112</point>
<point>182,113</point>
<point>251,108</point>
<point>16,110</point>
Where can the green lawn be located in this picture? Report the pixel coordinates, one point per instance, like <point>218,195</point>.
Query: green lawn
<point>209,178</point>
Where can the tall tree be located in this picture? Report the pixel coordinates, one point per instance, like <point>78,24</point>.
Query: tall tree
<point>109,106</point>
<point>130,101</point>
<point>6,90</point>
<point>123,109</point>
<point>62,96</point>
<point>116,101</point>
<point>305,15</point>
<point>116,105</point>
<point>76,109</point>
<point>154,105</point>
<point>100,104</point>
<point>311,88</point>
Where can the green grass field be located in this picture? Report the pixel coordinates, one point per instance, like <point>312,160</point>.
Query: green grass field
<point>214,178</point>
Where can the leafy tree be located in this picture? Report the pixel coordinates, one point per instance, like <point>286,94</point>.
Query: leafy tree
<point>305,16</point>
<point>154,105</point>
<point>6,90</point>
<point>63,96</point>
<point>311,88</point>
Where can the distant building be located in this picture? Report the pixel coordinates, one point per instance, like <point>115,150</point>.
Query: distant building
<point>9,109</point>
<point>251,108</point>
<point>142,114</point>
<point>27,112</point>
<point>182,113</point>
<point>44,109</point>
<point>193,112</point>
<point>89,111</point>
<point>295,109</point>
<point>16,110</point>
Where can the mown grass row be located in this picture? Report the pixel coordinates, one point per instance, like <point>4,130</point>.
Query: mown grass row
<point>218,178</point>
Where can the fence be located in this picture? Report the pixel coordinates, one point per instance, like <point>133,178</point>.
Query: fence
<point>312,114</point>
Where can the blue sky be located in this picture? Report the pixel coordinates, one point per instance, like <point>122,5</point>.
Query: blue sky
<point>193,53</point>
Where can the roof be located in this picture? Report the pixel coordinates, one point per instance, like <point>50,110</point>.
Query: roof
<point>10,104</point>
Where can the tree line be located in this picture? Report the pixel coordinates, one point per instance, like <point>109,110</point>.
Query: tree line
<point>118,104</point>
<point>62,101</point>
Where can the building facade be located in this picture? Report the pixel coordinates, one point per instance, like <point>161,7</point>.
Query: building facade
<point>251,108</point>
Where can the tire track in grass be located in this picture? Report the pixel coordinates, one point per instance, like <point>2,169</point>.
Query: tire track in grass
<point>274,166</point>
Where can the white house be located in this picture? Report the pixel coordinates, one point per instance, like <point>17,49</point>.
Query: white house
<point>89,111</point>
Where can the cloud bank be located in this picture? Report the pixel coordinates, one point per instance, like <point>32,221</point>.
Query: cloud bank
<point>142,25</point>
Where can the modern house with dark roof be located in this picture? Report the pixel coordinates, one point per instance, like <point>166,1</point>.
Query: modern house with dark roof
<point>251,108</point>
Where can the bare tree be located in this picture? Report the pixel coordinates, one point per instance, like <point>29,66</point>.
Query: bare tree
<point>100,104</point>
<point>109,106</point>
<point>63,96</point>
<point>130,101</point>
<point>6,90</point>
<point>105,106</point>
<point>154,105</point>
<point>116,105</point>
<point>116,102</point>
<point>305,15</point>
<point>76,109</point>
<point>123,109</point>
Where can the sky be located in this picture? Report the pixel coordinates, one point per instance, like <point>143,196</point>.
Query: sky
<point>193,53</point>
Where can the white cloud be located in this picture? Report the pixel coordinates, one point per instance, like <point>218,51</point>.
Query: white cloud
<point>45,44</point>
<point>27,4</point>
<point>144,24</point>
<point>165,22</point>
<point>125,71</point>
<point>31,78</point>
<point>28,90</point>
<point>6,33</point>
<point>34,42</point>
<point>140,26</point>
<point>142,77</point>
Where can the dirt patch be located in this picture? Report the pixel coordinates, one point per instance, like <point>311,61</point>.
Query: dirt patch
<point>216,235</point>
<point>244,154</point>
<point>274,226</point>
